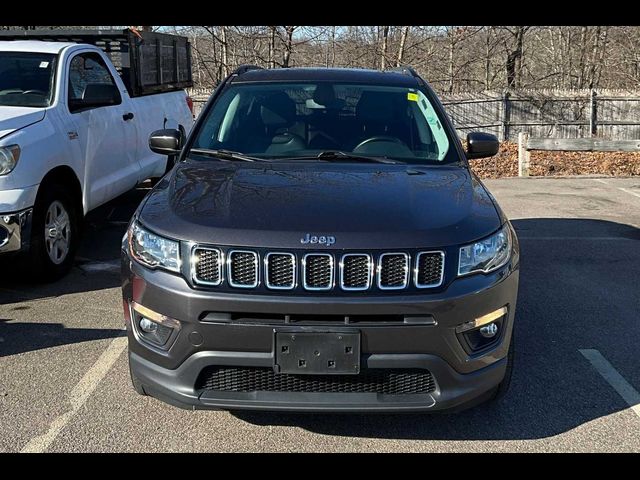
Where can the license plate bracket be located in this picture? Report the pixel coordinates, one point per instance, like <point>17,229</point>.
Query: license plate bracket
<point>317,353</point>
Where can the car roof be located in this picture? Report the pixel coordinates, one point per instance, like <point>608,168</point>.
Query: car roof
<point>320,74</point>
<point>36,46</point>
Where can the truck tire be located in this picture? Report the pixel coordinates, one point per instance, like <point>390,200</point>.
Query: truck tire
<point>54,234</point>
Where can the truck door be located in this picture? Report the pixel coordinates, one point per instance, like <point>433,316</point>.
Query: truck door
<point>104,130</point>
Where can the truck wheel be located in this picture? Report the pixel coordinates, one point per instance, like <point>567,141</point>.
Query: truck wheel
<point>137,384</point>
<point>54,234</point>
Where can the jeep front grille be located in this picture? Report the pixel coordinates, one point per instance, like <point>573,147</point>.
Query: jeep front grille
<point>393,271</point>
<point>429,269</point>
<point>243,269</point>
<point>262,379</point>
<point>317,271</point>
<point>280,271</point>
<point>356,270</point>
<point>206,266</point>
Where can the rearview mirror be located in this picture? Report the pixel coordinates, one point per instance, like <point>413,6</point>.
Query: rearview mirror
<point>481,145</point>
<point>166,142</point>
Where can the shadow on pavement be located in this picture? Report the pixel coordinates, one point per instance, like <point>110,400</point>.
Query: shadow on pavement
<point>578,289</point>
<point>20,337</point>
<point>100,244</point>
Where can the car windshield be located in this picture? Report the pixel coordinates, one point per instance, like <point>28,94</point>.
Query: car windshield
<point>329,120</point>
<point>26,79</point>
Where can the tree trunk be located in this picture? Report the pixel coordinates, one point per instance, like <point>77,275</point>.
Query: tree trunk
<point>272,47</point>
<point>403,42</point>
<point>383,56</point>
<point>452,47</point>
<point>224,48</point>
<point>288,46</point>
<point>333,46</point>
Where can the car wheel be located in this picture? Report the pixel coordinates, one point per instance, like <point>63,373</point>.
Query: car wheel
<point>137,384</point>
<point>54,234</point>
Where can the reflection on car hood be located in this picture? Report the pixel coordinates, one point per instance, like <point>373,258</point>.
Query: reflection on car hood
<point>362,205</point>
<point>15,118</point>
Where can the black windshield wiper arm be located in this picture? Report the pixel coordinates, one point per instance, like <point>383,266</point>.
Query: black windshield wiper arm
<point>337,155</point>
<point>226,155</point>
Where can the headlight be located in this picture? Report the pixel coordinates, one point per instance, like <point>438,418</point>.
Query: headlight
<point>153,250</point>
<point>9,156</point>
<point>486,255</point>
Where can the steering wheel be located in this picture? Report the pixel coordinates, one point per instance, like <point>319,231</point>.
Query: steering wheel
<point>379,138</point>
<point>38,92</point>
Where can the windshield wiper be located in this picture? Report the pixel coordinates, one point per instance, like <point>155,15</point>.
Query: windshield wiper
<point>226,155</point>
<point>337,155</point>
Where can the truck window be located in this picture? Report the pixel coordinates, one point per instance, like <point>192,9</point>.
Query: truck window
<point>87,74</point>
<point>26,79</point>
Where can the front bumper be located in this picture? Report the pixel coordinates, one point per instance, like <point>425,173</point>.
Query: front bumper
<point>460,377</point>
<point>15,230</point>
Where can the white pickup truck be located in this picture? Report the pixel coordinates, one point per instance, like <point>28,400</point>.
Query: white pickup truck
<point>74,133</point>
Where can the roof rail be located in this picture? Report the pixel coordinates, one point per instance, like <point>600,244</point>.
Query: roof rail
<point>405,70</point>
<point>245,68</point>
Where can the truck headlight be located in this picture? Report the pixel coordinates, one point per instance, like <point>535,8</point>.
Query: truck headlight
<point>486,255</point>
<point>153,250</point>
<point>9,156</point>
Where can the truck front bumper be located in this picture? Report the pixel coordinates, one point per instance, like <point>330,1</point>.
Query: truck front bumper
<point>245,350</point>
<point>15,229</point>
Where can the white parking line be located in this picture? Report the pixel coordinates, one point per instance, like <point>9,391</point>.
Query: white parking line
<point>626,190</point>
<point>79,395</point>
<point>617,381</point>
<point>599,180</point>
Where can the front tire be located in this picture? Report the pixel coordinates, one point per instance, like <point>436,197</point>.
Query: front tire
<point>54,234</point>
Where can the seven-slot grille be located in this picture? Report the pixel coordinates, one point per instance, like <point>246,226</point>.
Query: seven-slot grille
<point>243,269</point>
<point>280,271</point>
<point>317,271</point>
<point>381,381</point>
<point>393,271</point>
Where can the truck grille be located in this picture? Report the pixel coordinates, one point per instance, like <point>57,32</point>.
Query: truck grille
<point>243,269</point>
<point>207,266</point>
<point>280,271</point>
<point>430,266</point>
<point>318,271</point>
<point>252,379</point>
<point>356,271</point>
<point>393,271</point>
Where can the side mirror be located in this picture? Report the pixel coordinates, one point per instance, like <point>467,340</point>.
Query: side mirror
<point>481,145</point>
<point>166,142</point>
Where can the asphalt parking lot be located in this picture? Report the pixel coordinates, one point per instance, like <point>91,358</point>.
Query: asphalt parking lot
<point>64,383</point>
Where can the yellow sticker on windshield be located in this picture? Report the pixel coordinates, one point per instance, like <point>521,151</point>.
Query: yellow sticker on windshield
<point>413,97</point>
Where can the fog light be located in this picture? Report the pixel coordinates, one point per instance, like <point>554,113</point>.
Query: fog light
<point>153,327</point>
<point>489,331</point>
<point>148,326</point>
<point>483,332</point>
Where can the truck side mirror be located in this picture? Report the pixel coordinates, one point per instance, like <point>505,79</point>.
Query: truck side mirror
<point>166,142</point>
<point>482,145</point>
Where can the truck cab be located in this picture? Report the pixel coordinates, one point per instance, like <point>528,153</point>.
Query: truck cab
<point>73,136</point>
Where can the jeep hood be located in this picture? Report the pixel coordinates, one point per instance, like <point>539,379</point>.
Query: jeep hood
<point>364,206</point>
<point>15,118</point>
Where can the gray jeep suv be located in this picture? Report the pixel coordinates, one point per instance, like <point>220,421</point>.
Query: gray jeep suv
<point>321,245</point>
